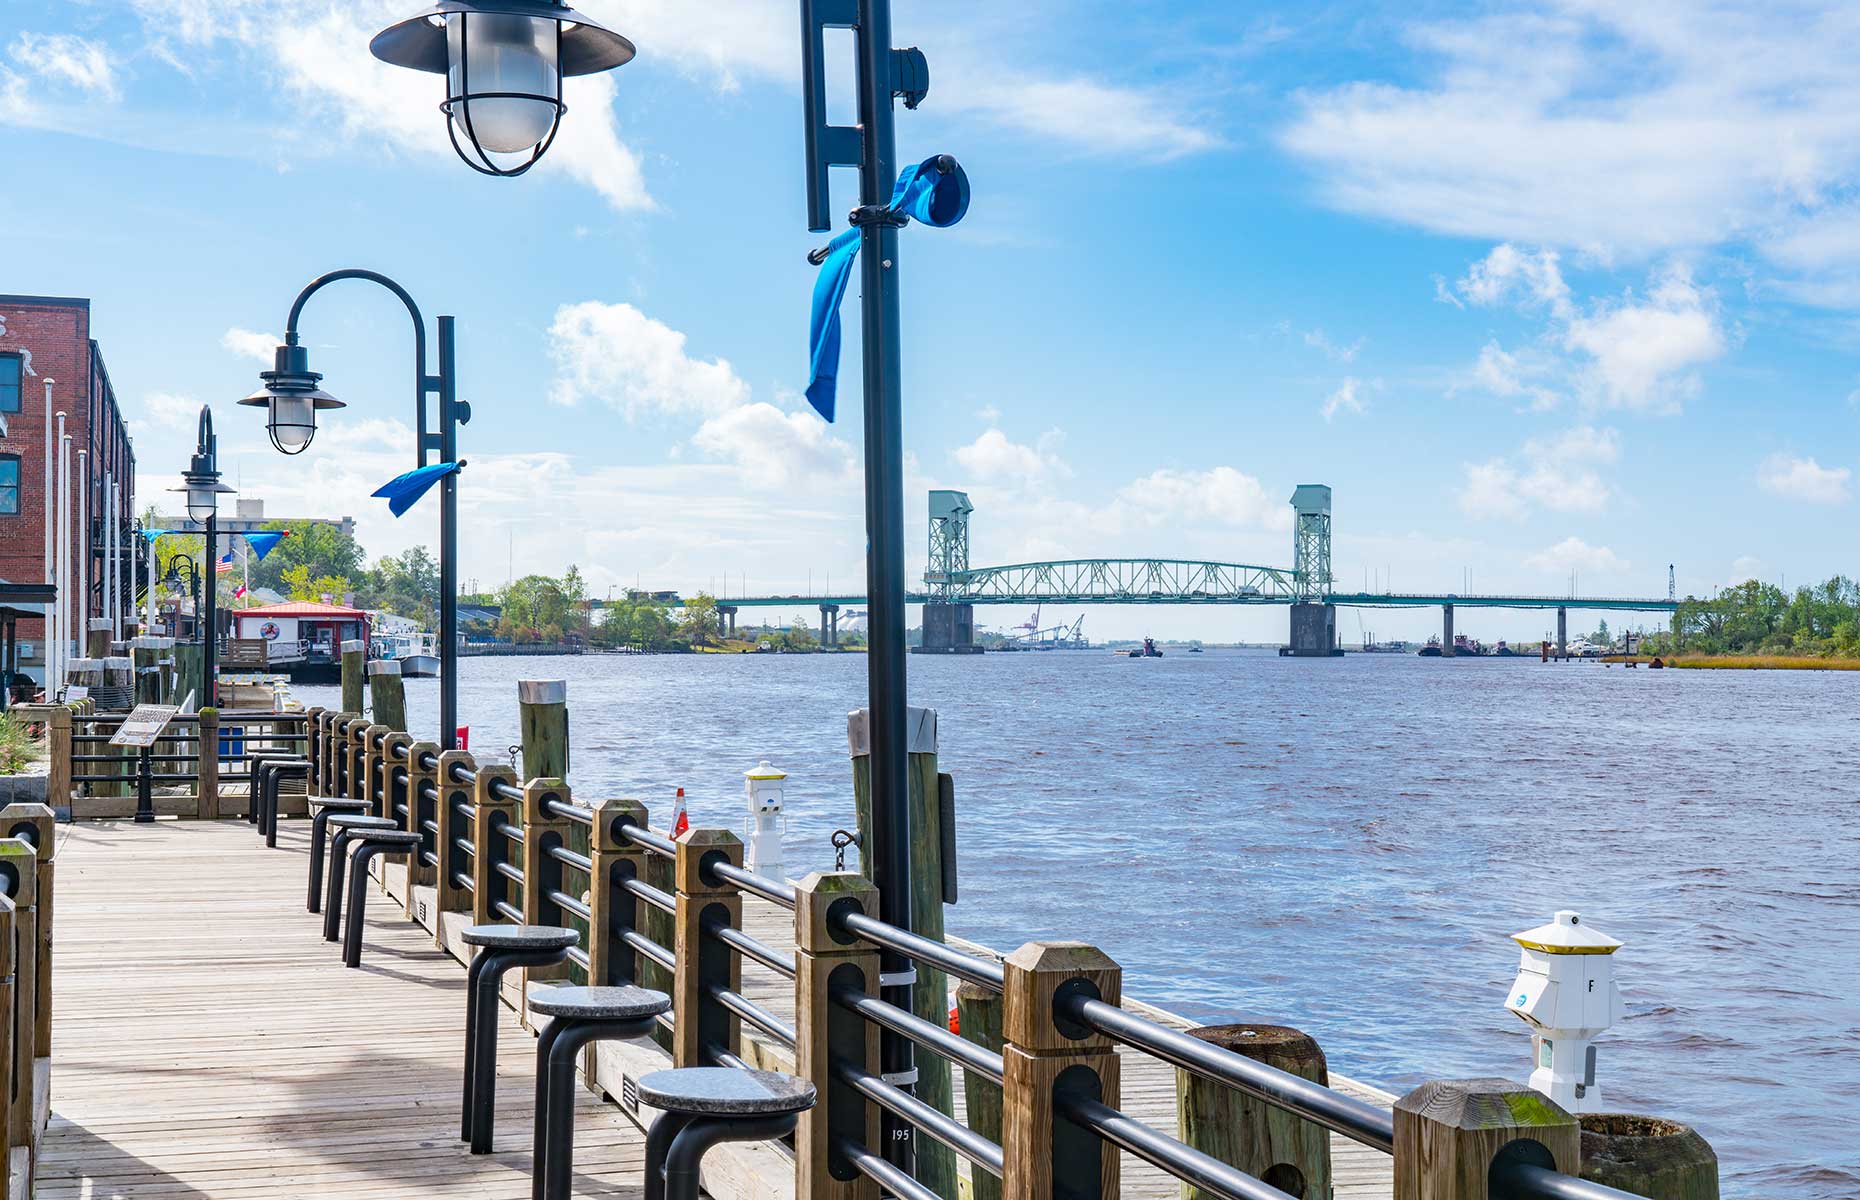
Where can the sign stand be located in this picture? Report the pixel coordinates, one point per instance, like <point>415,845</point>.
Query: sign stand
<point>140,729</point>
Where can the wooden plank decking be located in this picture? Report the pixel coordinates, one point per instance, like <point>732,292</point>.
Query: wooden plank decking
<point>208,1042</point>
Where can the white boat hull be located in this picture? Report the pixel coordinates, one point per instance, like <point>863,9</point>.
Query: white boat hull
<point>420,666</point>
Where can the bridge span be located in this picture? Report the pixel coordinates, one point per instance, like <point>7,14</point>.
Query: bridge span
<point>952,587</point>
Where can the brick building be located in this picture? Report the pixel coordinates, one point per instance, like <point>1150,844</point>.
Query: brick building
<point>49,337</point>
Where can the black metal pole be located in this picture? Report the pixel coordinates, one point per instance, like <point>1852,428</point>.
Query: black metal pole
<point>448,544</point>
<point>884,568</point>
<point>145,788</point>
<point>209,686</point>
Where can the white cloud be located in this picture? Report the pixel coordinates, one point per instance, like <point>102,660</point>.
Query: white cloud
<point>1317,340</point>
<point>1557,474</point>
<point>164,411</point>
<point>1803,479</point>
<point>994,458</point>
<point>1344,399</point>
<point>616,354</point>
<point>248,343</point>
<point>1743,567</point>
<point>1572,553</point>
<point>1644,354</point>
<point>1634,351</point>
<point>1510,273</point>
<point>1611,127</point>
<point>775,448</point>
<point>1223,496</point>
<point>1086,113</point>
<point>66,58</point>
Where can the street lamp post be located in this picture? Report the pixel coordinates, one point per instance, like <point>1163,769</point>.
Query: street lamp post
<point>292,398</point>
<point>173,577</point>
<point>204,489</point>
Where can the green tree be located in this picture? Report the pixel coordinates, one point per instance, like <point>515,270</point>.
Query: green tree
<point>700,619</point>
<point>323,548</point>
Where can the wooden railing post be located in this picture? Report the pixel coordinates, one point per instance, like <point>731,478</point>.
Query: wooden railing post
<point>448,894</point>
<point>343,737</point>
<point>978,1012</point>
<point>37,824</point>
<point>372,774</point>
<point>493,848</point>
<point>355,754</point>
<point>422,808</point>
<point>825,961</point>
<point>396,795</point>
<point>313,748</point>
<point>1047,1154</point>
<point>58,735</point>
<point>698,1021</point>
<point>542,873</point>
<point>208,782</point>
<point>1449,1131</point>
<point>612,911</point>
<point>9,991</point>
<point>1260,1138</point>
<point>19,881</point>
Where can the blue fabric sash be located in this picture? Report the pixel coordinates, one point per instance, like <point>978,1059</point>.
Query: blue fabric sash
<point>924,193</point>
<point>404,491</point>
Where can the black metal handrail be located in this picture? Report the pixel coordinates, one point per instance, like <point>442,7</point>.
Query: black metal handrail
<point>513,831</point>
<point>1183,1161</point>
<point>928,1034</point>
<point>466,810</point>
<point>429,760</point>
<point>945,1129</point>
<point>570,903</point>
<point>930,953</point>
<point>752,948</point>
<point>1353,1118</point>
<point>570,858</point>
<point>640,836</point>
<point>503,789</point>
<point>775,891</point>
<point>888,1176</point>
<point>662,901</point>
<point>569,812</point>
<point>514,874</point>
<point>643,945</point>
<point>507,909</point>
<point>753,1013</point>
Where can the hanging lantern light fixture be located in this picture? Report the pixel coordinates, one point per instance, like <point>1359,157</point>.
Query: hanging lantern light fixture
<point>504,61</point>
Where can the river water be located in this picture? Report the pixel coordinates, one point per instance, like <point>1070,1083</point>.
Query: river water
<point>1345,845</point>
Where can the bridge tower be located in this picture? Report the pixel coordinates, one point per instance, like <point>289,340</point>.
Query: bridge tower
<point>1314,622</point>
<point>949,625</point>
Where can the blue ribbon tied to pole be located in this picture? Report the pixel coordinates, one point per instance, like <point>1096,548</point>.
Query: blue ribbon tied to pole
<point>404,491</point>
<point>935,192</point>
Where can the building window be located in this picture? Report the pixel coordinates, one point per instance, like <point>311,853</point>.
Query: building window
<point>9,387</point>
<point>9,483</point>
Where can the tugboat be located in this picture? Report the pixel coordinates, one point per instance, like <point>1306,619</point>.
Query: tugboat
<point>1432,649</point>
<point>1148,650</point>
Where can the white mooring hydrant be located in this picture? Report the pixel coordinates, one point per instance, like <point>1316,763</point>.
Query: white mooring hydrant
<point>762,834</point>
<point>1566,993</point>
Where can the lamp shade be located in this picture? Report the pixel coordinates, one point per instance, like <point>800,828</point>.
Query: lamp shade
<point>504,61</point>
<point>291,399</point>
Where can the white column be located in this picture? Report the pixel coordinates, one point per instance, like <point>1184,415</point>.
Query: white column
<point>148,621</point>
<point>61,540</point>
<point>80,544</point>
<point>109,556</point>
<point>46,491</point>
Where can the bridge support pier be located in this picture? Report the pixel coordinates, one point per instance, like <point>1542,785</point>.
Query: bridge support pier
<point>1446,631</point>
<point>948,629</point>
<point>727,614</point>
<point>1562,633</point>
<point>1314,631</point>
<point>830,625</point>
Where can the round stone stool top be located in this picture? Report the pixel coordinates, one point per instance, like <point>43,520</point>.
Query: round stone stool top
<point>393,839</point>
<point>340,803</point>
<point>358,821</point>
<point>599,1003</point>
<point>520,937</point>
<point>725,1092</point>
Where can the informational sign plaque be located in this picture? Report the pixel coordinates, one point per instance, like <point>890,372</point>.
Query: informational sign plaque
<point>144,724</point>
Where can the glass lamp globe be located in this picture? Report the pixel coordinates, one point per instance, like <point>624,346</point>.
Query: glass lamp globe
<point>292,422</point>
<point>505,69</point>
<point>202,502</point>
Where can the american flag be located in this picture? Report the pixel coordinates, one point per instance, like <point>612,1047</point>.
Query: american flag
<point>225,563</point>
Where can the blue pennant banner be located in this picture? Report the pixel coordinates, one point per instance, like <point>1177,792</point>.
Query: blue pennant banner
<point>404,491</point>
<point>926,192</point>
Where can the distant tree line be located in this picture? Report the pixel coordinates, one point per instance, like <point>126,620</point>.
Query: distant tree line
<point>1760,618</point>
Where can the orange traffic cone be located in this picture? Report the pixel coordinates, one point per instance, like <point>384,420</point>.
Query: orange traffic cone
<point>681,823</point>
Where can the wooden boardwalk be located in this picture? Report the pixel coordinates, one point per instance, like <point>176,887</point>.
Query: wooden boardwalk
<point>208,1042</point>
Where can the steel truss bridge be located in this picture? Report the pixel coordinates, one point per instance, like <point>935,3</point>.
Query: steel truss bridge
<point>1181,581</point>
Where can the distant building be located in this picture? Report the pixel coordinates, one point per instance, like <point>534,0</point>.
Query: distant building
<point>249,516</point>
<point>49,337</point>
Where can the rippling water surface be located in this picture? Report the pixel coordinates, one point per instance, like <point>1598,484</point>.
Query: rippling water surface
<point>1345,845</point>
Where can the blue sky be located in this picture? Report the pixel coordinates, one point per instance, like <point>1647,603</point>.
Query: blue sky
<point>1537,288</point>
